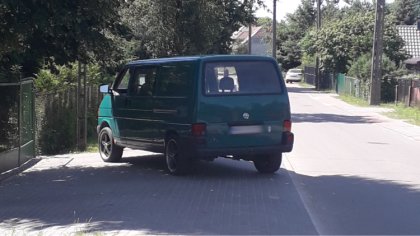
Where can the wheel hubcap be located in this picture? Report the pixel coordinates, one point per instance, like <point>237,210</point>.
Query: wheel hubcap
<point>105,145</point>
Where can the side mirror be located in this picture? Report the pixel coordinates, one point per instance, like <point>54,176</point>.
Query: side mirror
<point>104,88</point>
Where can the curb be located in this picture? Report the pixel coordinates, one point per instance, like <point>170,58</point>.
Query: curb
<point>20,169</point>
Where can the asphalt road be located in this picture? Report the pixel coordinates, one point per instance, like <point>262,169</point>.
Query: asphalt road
<point>358,172</point>
<point>352,172</point>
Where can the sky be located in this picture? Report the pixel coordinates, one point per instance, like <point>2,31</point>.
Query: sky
<point>284,7</point>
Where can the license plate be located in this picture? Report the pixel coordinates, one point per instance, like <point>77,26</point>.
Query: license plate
<point>249,129</point>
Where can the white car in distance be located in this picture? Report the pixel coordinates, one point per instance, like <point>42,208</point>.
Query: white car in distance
<point>293,75</point>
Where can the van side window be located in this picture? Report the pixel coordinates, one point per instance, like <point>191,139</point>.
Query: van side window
<point>143,81</point>
<point>122,83</point>
<point>175,79</point>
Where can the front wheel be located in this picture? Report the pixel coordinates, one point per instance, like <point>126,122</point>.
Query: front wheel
<point>109,151</point>
<point>268,164</point>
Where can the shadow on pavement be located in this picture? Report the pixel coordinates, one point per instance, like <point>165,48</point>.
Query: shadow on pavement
<point>350,205</point>
<point>331,118</point>
<point>222,197</point>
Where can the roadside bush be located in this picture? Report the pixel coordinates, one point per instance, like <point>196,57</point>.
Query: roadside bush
<point>388,89</point>
<point>56,107</point>
<point>66,76</point>
<point>361,69</point>
<point>57,133</point>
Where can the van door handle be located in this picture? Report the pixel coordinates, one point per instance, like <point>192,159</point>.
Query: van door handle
<point>165,111</point>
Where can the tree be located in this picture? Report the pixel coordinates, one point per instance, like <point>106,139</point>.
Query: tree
<point>297,24</point>
<point>265,22</point>
<point>330,11</point>
<point>357,6</point>
<point>170,28</point>
<point>48,31</point>
<point>406,11</point>
<point>291,31</point>
<point>340,42</point>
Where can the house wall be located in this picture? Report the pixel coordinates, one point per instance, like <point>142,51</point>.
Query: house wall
<point>260,47</point>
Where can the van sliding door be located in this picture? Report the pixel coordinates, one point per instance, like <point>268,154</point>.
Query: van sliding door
<point>140,104</point>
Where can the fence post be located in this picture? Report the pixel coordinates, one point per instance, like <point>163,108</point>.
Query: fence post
<point>79,72</point>
<point>409,95</point>
<point>85,104</point>
<point>19,120</point>
<point>396,95</point>
<point>410,92</point>
<point>34,117</point>
<point>81,106</point>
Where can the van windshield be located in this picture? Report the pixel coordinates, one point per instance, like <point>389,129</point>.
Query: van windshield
<point>241,77</point>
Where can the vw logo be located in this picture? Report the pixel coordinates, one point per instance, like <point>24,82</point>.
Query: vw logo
<point>245,116</point>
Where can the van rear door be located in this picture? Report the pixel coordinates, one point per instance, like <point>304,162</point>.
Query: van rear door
<point>243,103</point>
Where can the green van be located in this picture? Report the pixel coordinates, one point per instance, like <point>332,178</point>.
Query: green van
<point>201,107</point>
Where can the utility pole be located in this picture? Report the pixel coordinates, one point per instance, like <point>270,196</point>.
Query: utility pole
<point>274,28</point>
<point>318,27</point>
<point>376,75</point>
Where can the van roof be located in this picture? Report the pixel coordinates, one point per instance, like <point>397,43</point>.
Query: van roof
<point>202,58</point>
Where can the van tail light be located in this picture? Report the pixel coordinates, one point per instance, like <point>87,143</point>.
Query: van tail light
<point>198,129</point>
<point>288,137</point>
<point>287,126</point>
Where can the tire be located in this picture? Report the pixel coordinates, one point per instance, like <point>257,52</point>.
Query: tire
<point>177,161</point>
<point>109,151</point>
<point>268,164</point>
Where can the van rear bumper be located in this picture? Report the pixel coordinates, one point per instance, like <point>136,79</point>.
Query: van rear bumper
<point>248,151</point>
<point>285,146</point>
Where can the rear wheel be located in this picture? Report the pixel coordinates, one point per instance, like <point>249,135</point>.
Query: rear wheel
<point>109,151</point>
<point>268,164</point>
<point>177,161</point>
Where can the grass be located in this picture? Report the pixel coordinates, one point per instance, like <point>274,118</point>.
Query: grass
<point>354,100</point>
<point>400,111</point>
<point>92,145</point>
<point>409,114</point>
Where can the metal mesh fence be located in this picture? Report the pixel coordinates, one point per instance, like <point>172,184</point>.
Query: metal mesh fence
<point>16,124</point>
<point>352,86</point>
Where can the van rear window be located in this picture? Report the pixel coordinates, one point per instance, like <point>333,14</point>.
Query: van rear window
<point>241,77</point>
